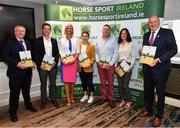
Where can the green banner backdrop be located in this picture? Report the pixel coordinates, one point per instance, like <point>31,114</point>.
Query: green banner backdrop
<point>133,16</point>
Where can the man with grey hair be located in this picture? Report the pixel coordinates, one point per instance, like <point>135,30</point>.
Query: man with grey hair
<point>19,75</point>
<point>156,74</point>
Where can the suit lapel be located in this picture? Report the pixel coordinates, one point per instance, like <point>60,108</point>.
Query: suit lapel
<point>42,43</point>
<point>52,44</point>
<point>147,38</point>
<point>27,45</point>
<point>87,49</point>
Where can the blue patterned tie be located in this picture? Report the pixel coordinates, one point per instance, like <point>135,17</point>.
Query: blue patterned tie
<point>22,46</point>
<point>70,46</point>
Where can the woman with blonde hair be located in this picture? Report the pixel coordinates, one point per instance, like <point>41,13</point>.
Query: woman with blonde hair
<point>68,46</point>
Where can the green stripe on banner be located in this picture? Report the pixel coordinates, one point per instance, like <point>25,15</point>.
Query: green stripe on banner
<point>78,91</point>
<point>136,95</point>
<point>134,10</point>
<point>154,7</point>
<point>51,12</point>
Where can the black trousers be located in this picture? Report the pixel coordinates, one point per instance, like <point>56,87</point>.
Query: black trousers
<point>43,75</point>
<point>16,84</point>
<point>87,80</point>
<point>155,81</point>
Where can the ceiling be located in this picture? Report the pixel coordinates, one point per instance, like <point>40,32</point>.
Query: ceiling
<point>82,2</point>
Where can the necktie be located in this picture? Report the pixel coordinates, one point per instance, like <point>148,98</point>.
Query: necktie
<point>151,40</point>
<point>22,46</point>
<point>70,46</point>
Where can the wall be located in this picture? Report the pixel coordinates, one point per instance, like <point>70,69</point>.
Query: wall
<point>38,12</point>
<point>171,11</point>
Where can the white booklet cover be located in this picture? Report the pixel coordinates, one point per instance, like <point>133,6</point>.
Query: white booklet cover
<point>82,56</point>
<point>124,66</point>
<point>105,59</point>
<point>84,60</point>
<point>25,57</point>
<point>48,61</point>
<point>148,53</point>
<point>66,56</point>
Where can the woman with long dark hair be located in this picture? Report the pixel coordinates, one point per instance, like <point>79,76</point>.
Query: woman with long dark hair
<point>126,53</point>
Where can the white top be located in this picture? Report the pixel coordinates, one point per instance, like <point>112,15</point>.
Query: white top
<point>64,45</point>
<point>126,52</point>
<point>83,48</point>
<point>47,46</point>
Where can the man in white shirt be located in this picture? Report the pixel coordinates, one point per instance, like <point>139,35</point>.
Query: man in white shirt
<point>106,56</point>
<point>46,45</point>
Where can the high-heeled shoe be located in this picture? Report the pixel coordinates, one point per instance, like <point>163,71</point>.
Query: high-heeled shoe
<point>68,104</point>
<point>128,104</point>
<point>121,104</point>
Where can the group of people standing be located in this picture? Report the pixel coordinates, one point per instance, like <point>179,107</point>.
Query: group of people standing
<point>107,47</point>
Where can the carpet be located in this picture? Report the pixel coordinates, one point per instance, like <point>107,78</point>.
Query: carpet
<point>92,115</point>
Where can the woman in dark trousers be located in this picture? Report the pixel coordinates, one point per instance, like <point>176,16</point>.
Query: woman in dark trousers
<point>86,72</point>
<point>126,52</point>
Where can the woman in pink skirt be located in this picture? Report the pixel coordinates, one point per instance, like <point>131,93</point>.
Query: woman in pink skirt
<point>69,47</point>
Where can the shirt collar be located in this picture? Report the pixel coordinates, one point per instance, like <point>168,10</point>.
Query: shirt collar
<point>19,39</point>
<point>49,39</point>
<point>156,31</point>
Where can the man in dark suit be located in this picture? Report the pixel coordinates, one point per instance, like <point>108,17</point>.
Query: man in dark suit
<point>46,45</point>
<point>19,75</point>
<point>156,74</point>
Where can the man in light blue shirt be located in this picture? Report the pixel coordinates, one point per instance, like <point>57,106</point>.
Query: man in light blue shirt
<point>106,56</point>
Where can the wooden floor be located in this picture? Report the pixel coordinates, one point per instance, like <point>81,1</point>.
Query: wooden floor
<point>79,115</point>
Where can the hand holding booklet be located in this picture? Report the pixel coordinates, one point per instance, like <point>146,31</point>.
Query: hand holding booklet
<point>47,62</point>
<point>124,67</point>
<point>84,60</point>
<point>25,57</point>
<point>66,56</point>
<point>148,53</point>
<point>105,59</point>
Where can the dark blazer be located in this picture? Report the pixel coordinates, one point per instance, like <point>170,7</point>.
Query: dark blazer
<point>39,51</point>
<point>166,48</point>
<point>11,58</point>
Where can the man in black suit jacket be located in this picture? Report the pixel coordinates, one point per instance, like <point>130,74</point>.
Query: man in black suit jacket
<point>46,45</point>
<point>19,75</point>
<point>156,74</point>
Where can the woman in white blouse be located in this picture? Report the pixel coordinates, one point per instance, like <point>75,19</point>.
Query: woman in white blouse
<point>126,53</point>
<point>69,47</point>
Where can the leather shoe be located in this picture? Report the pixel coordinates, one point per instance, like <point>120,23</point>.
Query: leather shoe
<point>32,109</point>
<point>13,118</point>
<point>111,103</point>
<point>145,114</point>
<point>156,122</point>
<point>43,104</point>
<point>56,104</point>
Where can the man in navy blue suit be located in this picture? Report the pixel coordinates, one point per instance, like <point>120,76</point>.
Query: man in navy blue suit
<point>156,74</point>
<point>19,75</point>
<point>46,45</point>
